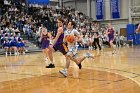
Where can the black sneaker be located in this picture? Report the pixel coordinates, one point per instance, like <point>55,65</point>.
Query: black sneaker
<point>80,66</point>
<point>50,66</point>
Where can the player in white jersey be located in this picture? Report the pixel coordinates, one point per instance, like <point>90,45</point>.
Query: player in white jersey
<point>72,53</point>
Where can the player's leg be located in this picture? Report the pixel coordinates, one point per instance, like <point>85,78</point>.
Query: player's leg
<point>50,56</point>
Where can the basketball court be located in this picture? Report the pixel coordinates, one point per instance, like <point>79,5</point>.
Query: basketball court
<point>31,29</point>
<point>118,73</point>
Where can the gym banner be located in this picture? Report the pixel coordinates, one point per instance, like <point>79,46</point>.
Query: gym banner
<point>99,9</point>
<point>115,8</point>
<point>38,1</point>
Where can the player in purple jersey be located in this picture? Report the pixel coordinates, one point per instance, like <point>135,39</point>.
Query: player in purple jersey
<point>45,36</point>
<point>111,33</point>
<point>58,43</point>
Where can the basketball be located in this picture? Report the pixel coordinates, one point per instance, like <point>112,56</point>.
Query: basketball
<point>70,38</point>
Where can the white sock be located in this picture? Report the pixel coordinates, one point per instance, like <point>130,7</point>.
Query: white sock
<point>52,62</point>
<point>66,69</point>
<point>15,53</point>
<point>6,53</point>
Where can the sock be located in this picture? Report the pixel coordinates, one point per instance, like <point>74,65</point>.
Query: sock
<point>52,62</point>
<point>5,53</point>
<point>66,69</point>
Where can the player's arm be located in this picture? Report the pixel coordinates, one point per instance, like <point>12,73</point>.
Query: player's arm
<point>65,36</point>
<point>49,35</point>
<point>60,30</point>
<point>78,36</point>
<point>114,31</point>
<point>40,31</point>
<point>41,36</point>
<point>138,29</point>
<point>107,32</point>
<point>98,35</point>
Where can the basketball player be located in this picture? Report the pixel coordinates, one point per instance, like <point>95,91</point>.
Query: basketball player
<point>72,53</point>
<point>96,38</point>
<point>58,43</point>
<point>44,38</point>
<point>111,33</point>
<point>138,29</point>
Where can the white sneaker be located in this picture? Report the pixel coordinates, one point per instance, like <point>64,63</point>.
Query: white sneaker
<point>64,72</point>
<point>114,52</point>
<point>88,55</point>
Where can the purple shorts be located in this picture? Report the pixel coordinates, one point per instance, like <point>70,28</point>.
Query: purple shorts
<point>45,43</point>
<point>61,47</point>
<point>111,39</point>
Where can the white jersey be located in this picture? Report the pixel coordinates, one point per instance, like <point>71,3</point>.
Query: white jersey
<point>71,46</point>
<point>73,32</point>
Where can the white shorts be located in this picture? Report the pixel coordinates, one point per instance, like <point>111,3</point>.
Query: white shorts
<point>73,52</point>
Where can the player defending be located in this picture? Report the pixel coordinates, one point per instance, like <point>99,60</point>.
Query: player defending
<point>58,44</point>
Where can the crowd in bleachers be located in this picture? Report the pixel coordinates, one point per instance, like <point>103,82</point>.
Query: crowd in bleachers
<point>15,21</point>
<point>10,38</point>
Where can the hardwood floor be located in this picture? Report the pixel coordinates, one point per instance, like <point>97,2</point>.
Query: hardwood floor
<point>118,73</point>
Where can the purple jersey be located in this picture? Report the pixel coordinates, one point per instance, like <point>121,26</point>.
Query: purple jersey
<point>60,45</point>
<point>45,41</point>
<point>60,39</point>
<point>111,34</point>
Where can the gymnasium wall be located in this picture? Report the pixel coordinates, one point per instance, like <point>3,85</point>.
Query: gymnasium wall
<point>124,8</point>
<point>93,10</point>
<point>70,3</point>
<point>81,5</point>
